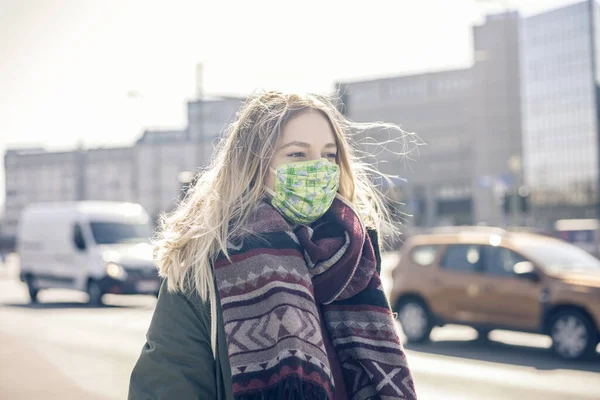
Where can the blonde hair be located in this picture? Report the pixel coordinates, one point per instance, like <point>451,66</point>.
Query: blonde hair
<point>224,197</point>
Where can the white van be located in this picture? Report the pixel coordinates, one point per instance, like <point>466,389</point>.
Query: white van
<point>95,247</point>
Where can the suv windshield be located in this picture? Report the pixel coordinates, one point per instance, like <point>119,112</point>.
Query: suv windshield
<point>555,255</point>
<point>119,232</point>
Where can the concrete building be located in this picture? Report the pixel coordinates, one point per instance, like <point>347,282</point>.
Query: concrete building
<point>559,74</point>
<point>469,120</point>
<point>435,106</point>
<point>109,174</point>
<point>146,173</point>
<point>160,156</point>
<point>496,117</point>
<point>36,175</point>
<point>208,118</point>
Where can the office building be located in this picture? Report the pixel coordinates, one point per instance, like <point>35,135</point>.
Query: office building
<point>496,118</point>
<point>469,120</point>
<point>559,78</point>
<point>436,107</point>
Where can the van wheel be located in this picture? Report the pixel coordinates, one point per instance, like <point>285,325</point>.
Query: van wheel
<point>95,294</point>
<point>33,289</point>
<point>415,320</point>
<point>573,335</point>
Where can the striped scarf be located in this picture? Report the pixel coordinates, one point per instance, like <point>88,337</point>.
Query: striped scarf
<point>270,289</point>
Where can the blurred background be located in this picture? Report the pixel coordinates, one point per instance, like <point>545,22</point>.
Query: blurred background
<point>124,101</point>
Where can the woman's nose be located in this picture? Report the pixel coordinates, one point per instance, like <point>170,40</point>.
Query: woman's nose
<point>315,156</point>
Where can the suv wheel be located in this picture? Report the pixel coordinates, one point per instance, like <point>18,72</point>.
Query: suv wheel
<point>572,335</point>
<point>33,289</point>
<point>95,294</point>
<point>415,320</point>
<point>483,335</point>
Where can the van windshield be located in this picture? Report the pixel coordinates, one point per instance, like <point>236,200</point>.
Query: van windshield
<point>556,255</point>
<point>119,232</point>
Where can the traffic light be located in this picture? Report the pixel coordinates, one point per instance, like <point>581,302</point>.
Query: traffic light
<point>523,202</point>
<point>506,203</point>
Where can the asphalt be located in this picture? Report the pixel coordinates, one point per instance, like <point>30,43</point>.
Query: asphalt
<point>27,374</point>
<point>62,348</point>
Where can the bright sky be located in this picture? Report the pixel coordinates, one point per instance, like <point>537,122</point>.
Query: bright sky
<point>67,66</point>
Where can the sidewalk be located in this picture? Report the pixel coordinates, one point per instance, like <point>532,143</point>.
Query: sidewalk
<point>25,374</point>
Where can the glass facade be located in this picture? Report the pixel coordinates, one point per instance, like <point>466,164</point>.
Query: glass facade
<point>559,112</point>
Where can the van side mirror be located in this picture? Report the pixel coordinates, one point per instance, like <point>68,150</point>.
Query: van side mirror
<point>78,238</point>
<point>80,244</point>
<point>526,270</point>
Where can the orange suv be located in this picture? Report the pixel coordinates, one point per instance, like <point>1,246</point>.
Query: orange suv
<point>489,279</point>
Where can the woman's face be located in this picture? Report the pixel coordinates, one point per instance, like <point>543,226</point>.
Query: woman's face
<point>308,136</point>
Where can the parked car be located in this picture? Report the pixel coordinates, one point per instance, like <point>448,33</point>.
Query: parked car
<point>95,247</point>
<point>494,279</point>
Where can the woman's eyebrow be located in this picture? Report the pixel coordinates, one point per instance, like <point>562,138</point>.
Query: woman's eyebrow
<point>330,146</point>
<point>295,143</point>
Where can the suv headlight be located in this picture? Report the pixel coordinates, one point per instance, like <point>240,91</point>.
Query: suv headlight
<point>116,271</point>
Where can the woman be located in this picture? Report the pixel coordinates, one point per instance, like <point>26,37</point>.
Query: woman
<point>271,264</point>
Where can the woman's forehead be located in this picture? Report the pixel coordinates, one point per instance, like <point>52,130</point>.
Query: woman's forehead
<point>311,127</point>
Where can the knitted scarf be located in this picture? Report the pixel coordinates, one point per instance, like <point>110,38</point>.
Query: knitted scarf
<point>270,288</point>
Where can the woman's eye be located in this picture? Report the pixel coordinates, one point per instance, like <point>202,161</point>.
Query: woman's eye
<point>297,155</point>
<point>331,155</point>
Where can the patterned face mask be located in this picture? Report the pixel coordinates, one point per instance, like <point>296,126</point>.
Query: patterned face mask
<point>305,190</point>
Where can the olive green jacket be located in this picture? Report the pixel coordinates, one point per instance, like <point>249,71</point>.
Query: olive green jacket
<point>177,360</point>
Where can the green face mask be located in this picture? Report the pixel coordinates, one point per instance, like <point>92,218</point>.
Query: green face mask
<point>304,191</point>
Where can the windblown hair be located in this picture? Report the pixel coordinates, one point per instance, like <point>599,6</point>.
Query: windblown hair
<point>221,202</point>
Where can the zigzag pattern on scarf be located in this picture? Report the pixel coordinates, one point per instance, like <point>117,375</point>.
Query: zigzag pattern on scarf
<point>271,320</point>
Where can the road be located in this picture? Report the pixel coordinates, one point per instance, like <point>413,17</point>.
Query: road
<point>63,349</point>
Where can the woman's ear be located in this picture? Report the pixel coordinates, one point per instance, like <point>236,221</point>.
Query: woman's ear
<point>270,178</point>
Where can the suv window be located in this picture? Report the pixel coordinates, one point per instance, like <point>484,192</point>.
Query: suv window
<point>423,255</point>
<point>499,261</point>
<point>462,257</point>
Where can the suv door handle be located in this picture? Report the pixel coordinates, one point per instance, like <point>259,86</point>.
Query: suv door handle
<point>487,288</point>
<point>476,290</point>
<point>473,290</point>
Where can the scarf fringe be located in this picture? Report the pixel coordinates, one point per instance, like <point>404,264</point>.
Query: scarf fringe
<point>290,388</point>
